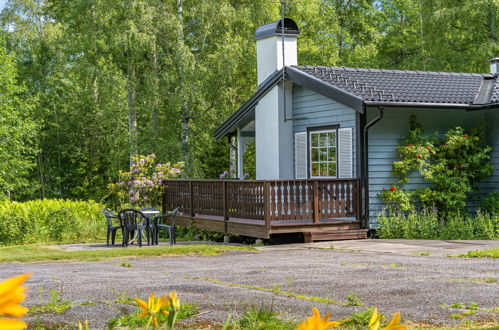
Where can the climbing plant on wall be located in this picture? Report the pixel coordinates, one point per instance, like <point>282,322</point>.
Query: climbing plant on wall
<point>452,164</point>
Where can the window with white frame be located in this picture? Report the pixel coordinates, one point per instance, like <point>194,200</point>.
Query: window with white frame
<point>323,153</point>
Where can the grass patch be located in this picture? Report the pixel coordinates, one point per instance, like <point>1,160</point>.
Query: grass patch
<point>424,253</point>
<point>357,320</point>
<point>263,318</point>
<point>354,300</point>
<point>34,253</point>
<point>56,303</point>
<point>490,253</point>
<point>133,320</point>
<point>275,289</point>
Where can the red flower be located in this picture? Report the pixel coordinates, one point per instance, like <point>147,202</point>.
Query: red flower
<point>427,148</point>
<point>419,156</point>
<point>466,136</point>
<point>410,146</point>
<point>392,189</point>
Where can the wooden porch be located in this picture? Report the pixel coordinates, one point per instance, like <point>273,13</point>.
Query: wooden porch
<point>324,209</point>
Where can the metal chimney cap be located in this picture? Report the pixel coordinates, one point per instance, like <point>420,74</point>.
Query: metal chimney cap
<point>495,59</point>
<point>275,28</point>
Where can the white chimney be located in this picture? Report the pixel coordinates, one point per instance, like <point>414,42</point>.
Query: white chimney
<point>269,47</point>
<point>494,65</point>
<point>273,132</point>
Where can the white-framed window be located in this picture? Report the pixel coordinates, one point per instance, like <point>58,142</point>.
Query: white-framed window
<point>323,153</point>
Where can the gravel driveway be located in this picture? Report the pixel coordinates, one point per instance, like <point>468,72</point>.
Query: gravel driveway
<point>418,286</point>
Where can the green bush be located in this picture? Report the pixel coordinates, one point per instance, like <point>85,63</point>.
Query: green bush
<point>50,220</point>
<point>428,225</point>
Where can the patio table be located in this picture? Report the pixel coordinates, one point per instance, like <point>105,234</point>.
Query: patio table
<point>149,217</point>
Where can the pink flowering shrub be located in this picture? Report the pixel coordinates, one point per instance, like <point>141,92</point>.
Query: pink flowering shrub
<point>142,185</point>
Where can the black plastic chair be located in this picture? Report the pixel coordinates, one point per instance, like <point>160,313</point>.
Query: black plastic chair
<point>169,227</point>
<point>133,220</point>
<point>152,227</point>
<point>112,228</point>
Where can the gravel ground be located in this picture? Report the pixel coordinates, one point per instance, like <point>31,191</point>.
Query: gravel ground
<point>417,286</point>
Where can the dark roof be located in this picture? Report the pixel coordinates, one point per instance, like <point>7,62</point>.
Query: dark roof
<point>357,88</point>
<point>407,86</point>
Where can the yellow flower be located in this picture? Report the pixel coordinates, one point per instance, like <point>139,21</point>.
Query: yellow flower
<point>315,322</point>
<point>394,323</point>
<point>174,301</point>
<point>11,295</point>
<point>83,326</point>
<point>375,322</point>
<point>153,307</point>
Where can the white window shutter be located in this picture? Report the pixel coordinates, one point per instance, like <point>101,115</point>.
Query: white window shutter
<point>301,156</point>
<point>345,161</point>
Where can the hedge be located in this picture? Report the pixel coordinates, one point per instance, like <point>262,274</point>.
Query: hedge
<point>51,220</point>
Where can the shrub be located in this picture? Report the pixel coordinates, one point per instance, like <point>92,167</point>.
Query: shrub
<point>142,185</point>
<point>427,225</point>
<point>50,220</point>
<point>451,164</point>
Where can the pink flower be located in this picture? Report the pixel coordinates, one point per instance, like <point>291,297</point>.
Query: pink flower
<point>132,199</point>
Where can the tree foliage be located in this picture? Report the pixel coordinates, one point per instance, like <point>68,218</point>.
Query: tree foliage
<point>113,79</point>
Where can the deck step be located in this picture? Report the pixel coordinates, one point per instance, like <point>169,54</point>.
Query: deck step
<point>335,235</point>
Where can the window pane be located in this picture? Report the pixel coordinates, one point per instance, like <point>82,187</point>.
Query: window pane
<point>315,154</point>
<point>315,169</point>
<point>323,140</point>
<point>323,154</point>
<point>331,157</point>
<point>331,169</point>
<point>332,138</point>
<point>315,139</point>
<point>323,169</point>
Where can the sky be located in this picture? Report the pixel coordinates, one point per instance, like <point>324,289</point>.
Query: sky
<point>2,3</point>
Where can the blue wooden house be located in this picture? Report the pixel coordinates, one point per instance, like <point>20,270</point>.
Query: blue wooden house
<point>325,141</point>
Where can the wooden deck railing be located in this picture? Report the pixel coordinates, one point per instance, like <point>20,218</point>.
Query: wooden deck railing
<point>274,201</point>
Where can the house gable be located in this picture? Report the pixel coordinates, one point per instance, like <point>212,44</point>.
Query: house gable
<point>314,110</point>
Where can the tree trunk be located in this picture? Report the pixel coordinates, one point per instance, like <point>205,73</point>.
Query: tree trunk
<point>155,96</point>
<point>132,114</point>
<point>184,111</point>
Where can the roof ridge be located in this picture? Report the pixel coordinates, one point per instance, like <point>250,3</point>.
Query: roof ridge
<point>417,72</point>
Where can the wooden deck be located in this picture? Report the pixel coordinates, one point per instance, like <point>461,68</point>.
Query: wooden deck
<point>320,209</point>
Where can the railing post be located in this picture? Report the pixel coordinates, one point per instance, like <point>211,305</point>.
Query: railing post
<point>266,205</point>
<point>225,205</point>
<point>191,197</point>
<point>357,195</point>
<point>163,199</point>
<point>316,201</point>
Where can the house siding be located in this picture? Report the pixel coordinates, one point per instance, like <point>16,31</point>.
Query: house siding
<point>386,135</point>
<point>491,184</point>
<point>318,110</point>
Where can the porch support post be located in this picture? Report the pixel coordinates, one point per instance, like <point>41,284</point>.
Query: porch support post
<point>316,201</point>
<point>240,154</point>
<point>266,204</point>
<point>225,206</point>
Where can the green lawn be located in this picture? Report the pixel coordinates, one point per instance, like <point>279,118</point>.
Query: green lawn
<point>38,253</point>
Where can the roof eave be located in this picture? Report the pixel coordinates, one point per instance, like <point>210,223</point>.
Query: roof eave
<point>303,79</point>
<point>231,123</point>
<point>433,105</point>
